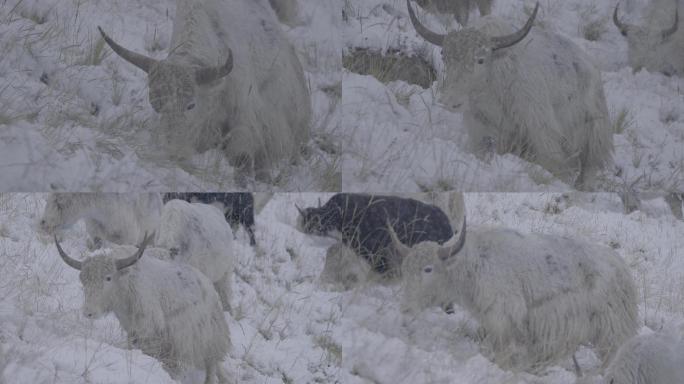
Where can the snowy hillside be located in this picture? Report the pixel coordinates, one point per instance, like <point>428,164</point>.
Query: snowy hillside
<point>288,328</point>
<point>399,138</point>
<point>76,117</point>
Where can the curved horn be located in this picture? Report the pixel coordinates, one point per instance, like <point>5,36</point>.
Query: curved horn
<point>127,262</point>
<point>319,202</point>
<point>301,211</point>
<point>620,25</point>
<point>515,37</point>
<point>141,61</point>
<point>207,75</point>
<point>454,245</point>
<point>667,32</point>
<point>401,248</point>
<point>431,37</point>
<point>75,264</point>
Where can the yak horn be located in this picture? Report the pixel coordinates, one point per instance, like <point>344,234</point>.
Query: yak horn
<point>667,32</point>
<point>141,61</point>
<point>301,211</point>
<point>616,20</point>
<point>514,38</point>
<point>70,262</point>
<point>431,37</point>
<point>401,248</point>
<point>127,262</point>
<point>209,74</point>
<point>454,245</point>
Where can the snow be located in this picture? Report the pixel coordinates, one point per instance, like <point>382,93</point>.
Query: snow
<point>76,117</point>
<point>399,138</point>
<point>288,327</point>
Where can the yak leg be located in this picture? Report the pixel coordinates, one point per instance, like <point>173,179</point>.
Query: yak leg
<point>578,369</point>
<point>223,288</point>
<point>221,373</point>
<point>674,200</point>
<point>211,374</point>
<point>244,169</point>
<point>261,168</point>
<point>250,232</point>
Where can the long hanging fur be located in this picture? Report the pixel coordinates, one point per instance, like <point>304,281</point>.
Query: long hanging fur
<point>537,297</point>
<point>541,99</point>
<point>262,109</point>
<point>169,310</point>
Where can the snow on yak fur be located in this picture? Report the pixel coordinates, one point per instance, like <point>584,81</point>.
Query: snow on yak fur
<point>237,207</point>
<point>233,81</point>
<point>117,218</point>
<point>648,359</point>
<point>169,310</point>
<point>197,234</point>
<point>459,8</point>
<point>531,92</point>
<point>361,219</point>
<point>536,297</point>
<point>656,45</point>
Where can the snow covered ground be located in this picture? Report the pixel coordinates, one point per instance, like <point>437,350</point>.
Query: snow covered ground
<point>75,117</point>
<point>399,138</point>
<point>288,328</point>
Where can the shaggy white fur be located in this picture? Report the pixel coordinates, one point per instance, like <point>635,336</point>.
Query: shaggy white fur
<point>169,310</point>
<point>537,297</point>
<point>541,99</point>
<point>648,359</point>
<point>198,234</point>
<point>259,113</point>
<point>117,218</point>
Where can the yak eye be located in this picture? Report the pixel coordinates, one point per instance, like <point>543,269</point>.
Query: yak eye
<point>191,106</point>
<point>428,269</point>
<point>480,61</point>
<point>108,278</point>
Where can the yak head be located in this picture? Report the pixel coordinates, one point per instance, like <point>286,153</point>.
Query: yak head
<point>317,221</point>
<point>99,274</point>
<point>424,266</point>
<point>643,40</point>
<point>62,210</point>
<point>172,87</point>
<point>467,53</point>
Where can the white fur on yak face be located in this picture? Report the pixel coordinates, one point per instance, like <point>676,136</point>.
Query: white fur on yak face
<point>423,278</point>
<point>656,45</point>
<point>467,54</point>
<point>172,88</point>
<point>98,277</point>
